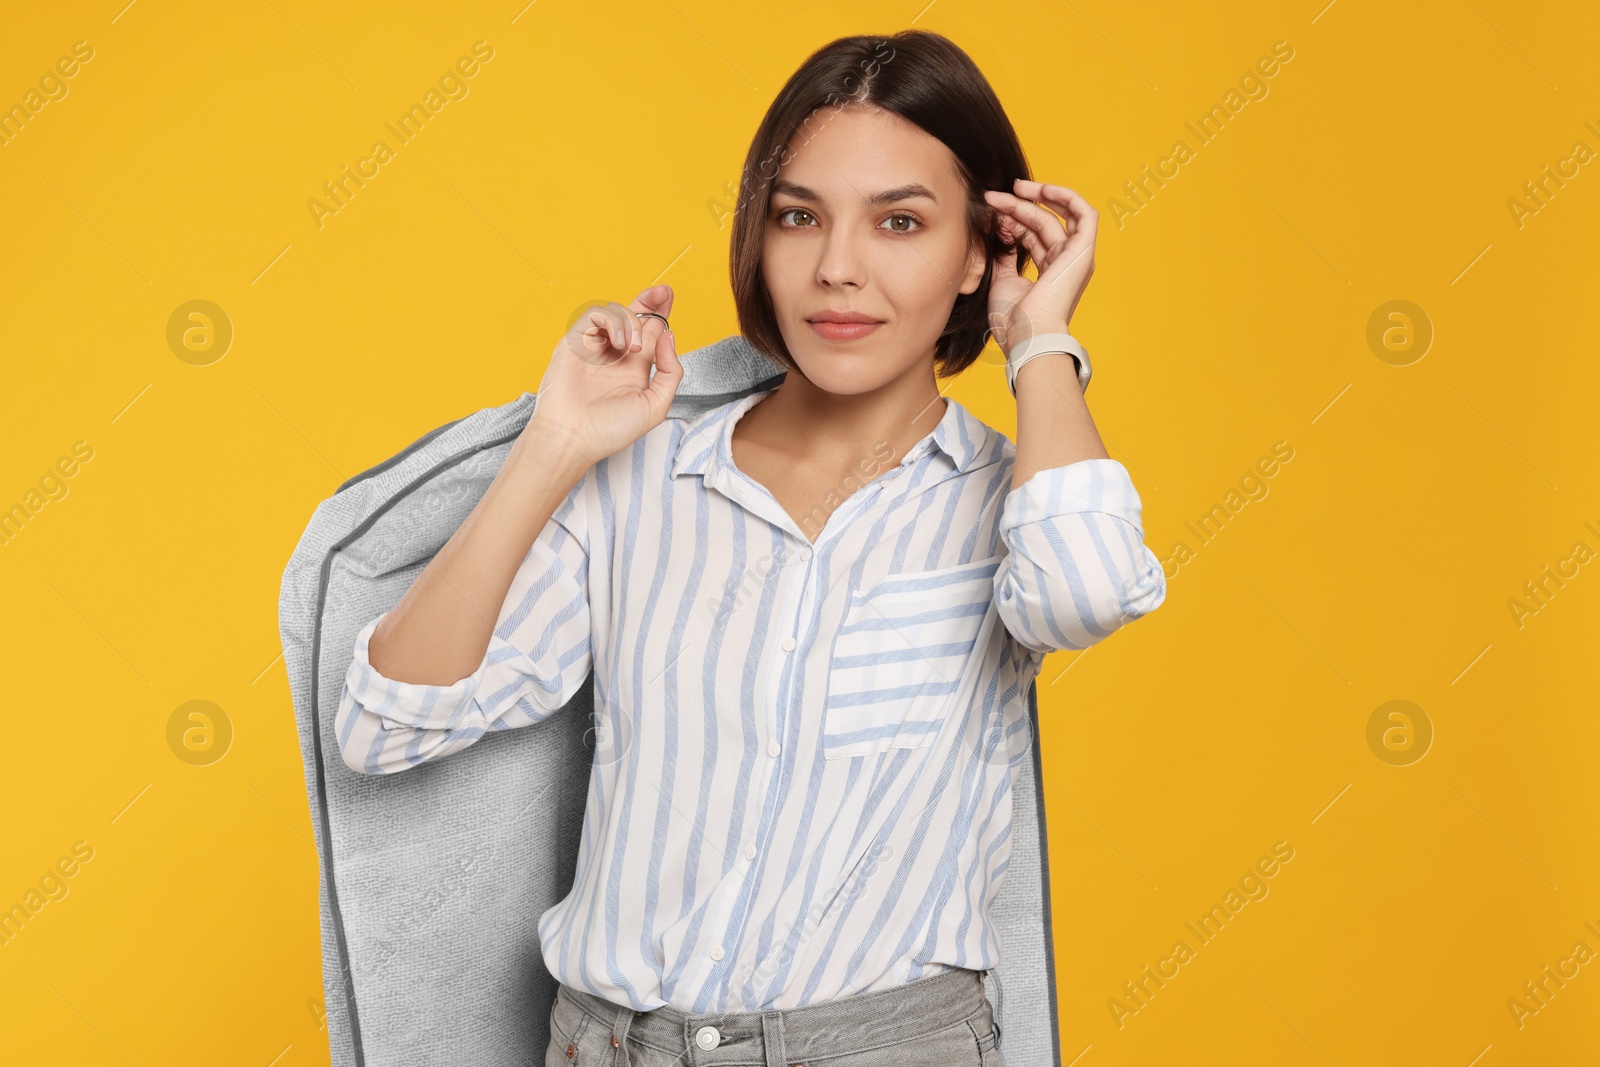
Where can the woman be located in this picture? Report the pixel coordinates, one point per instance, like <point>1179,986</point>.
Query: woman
<point>812,613</point>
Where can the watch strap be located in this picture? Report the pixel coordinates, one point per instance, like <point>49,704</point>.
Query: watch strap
<point>1042,344</point>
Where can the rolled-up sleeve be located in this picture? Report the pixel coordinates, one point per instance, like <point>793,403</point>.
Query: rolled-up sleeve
<point>1077,567</point>
<point>538,656</point>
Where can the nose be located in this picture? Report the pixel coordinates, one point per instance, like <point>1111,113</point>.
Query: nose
<point>843,262</point>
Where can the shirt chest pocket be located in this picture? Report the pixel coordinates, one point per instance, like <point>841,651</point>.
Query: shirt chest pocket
<point>899,655</point>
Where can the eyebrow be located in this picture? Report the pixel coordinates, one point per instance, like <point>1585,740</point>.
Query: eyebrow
<point>909,191</point>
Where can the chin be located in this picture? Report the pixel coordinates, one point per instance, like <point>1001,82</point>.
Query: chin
<point>839,374</point>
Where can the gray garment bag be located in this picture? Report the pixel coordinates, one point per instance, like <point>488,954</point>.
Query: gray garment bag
<point>433,880</point>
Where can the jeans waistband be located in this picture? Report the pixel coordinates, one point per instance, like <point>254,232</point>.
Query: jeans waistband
<point>778,1038</point>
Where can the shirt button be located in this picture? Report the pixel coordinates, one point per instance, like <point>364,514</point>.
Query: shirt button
<point>749,852</point>
<point>805,553</point>
<point>707,1037</point>
<point>788,644</point>
<point>716,953</point>
<point>773,748</point>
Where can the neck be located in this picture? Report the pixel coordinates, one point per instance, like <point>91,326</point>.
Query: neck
<point>814,425</point>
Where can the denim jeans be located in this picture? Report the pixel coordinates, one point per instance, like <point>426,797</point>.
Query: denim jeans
<point>941,1020</point>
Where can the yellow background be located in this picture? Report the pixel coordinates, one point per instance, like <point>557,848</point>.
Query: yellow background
<point>592,158</point>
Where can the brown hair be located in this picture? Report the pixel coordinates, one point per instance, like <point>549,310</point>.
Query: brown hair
<point>926,79</point>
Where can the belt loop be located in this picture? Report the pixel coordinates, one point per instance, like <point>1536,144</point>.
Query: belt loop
<point>619,1034</point>
<point>772,1029</point>
<point>996,1005</point>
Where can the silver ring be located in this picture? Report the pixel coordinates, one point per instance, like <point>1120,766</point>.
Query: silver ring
<point>653,315</point>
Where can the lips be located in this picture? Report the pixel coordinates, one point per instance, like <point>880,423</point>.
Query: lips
<point>843,325</point>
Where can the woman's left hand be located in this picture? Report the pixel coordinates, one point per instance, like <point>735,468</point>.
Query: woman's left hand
<point>1019,308</point>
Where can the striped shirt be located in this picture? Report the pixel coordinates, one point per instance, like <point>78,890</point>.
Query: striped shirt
<point>802,784</point>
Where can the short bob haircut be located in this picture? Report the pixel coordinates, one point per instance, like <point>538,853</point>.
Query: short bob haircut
<point>926,79</point>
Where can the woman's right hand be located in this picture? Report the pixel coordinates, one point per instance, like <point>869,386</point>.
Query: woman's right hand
<point>598,396</point>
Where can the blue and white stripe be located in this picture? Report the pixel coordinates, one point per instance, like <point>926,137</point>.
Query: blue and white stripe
<point>803,785</point>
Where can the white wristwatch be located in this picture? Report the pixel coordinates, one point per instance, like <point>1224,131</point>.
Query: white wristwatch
<point>1043,343</point>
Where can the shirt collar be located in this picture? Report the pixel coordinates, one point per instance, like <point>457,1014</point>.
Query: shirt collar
<point>706,443</point>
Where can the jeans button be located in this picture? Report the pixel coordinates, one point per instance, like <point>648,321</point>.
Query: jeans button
<point>707,1037</point>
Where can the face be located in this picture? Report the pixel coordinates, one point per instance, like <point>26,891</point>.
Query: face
<point>867,217</point>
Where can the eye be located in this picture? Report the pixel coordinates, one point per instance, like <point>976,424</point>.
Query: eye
<point>908,217</point>
<point>790,211</point>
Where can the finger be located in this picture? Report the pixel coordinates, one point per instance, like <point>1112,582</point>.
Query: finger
<point>669,373</point>
<point>1024,235</point>
<point>1042,221</point>
<point>603,335</point>
<point>1085,218</point>
<point>623,338</point>
<point>1019,232</point>
<point>1055,195</point>
<point>619,329</point>
<point>631,329</point>
<point>1084,222</point>
<point>657,300</point>
<point>1066,202</point>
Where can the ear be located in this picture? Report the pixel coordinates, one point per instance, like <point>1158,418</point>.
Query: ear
<point>977,261</point>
